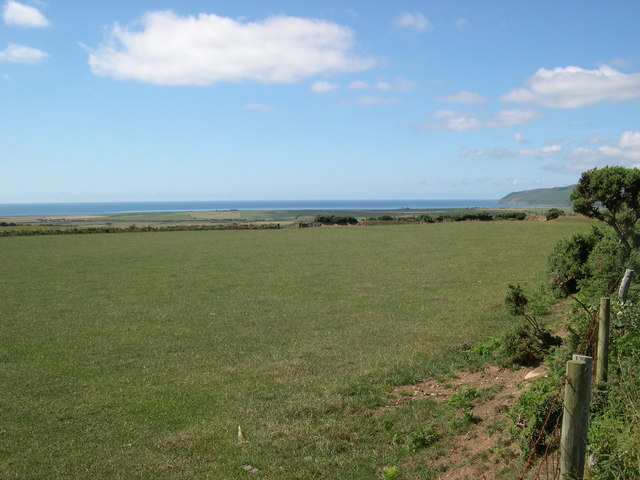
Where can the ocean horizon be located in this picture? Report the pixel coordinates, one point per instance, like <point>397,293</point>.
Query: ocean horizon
<point>104,208</point>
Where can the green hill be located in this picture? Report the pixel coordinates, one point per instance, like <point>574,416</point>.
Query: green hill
<point>540,196</point>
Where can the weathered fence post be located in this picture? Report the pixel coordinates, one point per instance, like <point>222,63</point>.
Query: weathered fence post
<point>624,285</point>
<point>575,418</point>
<point>603,340</point>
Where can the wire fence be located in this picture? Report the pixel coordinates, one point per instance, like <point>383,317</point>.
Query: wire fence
<point>546,466</point>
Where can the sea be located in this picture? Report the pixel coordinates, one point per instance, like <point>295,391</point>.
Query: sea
<point>98,208</point>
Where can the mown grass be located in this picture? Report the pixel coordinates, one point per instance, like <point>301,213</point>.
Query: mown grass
<point>139,355</point>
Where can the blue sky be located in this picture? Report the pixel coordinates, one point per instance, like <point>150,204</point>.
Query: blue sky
<point>222,100</point>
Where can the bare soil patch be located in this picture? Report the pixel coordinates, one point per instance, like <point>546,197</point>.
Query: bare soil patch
<point>486,448</point>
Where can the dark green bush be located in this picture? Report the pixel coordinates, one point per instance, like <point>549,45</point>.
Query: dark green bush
<point>482,216</point>
<point>511,216</point>
<point>554,213</point>
<point>335,220</point>
<point>567,264</point>
<point>525,346</point>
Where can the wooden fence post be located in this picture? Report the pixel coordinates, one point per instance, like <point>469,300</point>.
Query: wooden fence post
<point>575,419</point>
<point>603,340</point>
<point>624,285</point>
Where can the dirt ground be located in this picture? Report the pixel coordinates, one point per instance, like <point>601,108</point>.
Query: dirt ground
<point>485,449</point>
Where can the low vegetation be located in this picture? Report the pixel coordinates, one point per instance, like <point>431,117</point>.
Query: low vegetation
<point>335,220</point>
<point>586,267</point>
<point>30,230</point>
<point>482,216</point>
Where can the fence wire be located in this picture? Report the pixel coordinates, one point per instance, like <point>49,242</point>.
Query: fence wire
<point>548,464</point>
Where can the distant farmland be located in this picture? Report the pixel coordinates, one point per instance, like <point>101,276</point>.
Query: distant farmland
<point>139,355</point>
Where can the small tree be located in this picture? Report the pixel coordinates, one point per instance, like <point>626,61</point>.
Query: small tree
<point>612,195</point>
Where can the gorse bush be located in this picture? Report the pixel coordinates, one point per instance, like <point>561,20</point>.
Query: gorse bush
<point>591,263</point>
<point>568,263</point>
<point>482,216</point>
<point>511,216</point>
<point>335,220</point>
<point>554,213</point>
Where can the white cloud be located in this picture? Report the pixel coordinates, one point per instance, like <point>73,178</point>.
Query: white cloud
<point>19,14</point>
<point>322,86</point>
<point>464,121</point>
<point>518,138</point>
<point>21,54</point>
<point>574,87</point>
<point>625,152</point>
<point>499,153</point>
<point>367,101</point>
<point>629,140</point>
<point>261,107</point>
<point>413,21</point>
<point>358,85</point>
<point>463,97</point>
<point>461,22</point>
<point>205,49</point>
<point>541,152</point>
<point>400,84</point>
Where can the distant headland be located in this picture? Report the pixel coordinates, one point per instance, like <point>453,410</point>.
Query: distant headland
<point>557,196</point>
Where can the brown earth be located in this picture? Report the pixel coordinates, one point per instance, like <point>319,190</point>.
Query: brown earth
<point>486,449</point>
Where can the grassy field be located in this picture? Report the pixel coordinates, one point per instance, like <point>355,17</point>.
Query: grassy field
<point>137,356</point>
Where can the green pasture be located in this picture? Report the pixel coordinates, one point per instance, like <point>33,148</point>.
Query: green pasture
<point>137,356</point>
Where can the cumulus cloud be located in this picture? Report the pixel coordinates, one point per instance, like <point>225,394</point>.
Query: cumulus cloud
<point>574,87</point>
<point>518,138</point>
<point>21,15</point>
<point>625,151</point>
<point>464,121</point>
<point>21,54</point>
<point>413,21</point>
<point>261,107</point>
<point>463,97</point>
<point>630,140</point>
<point>322,86</point>
<point>499,153</point>
<point>201,50</point>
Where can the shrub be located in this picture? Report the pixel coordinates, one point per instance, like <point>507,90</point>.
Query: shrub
<point>567,264</point>
<point>482,216</point>
<point>535,415</point>
<point>335,220</point>
<point>614,431</point>
<point>426,218</point>
<point>527,343</point>
<point>512,216</point>
<point>554,213</point>
<point>523,346</point>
